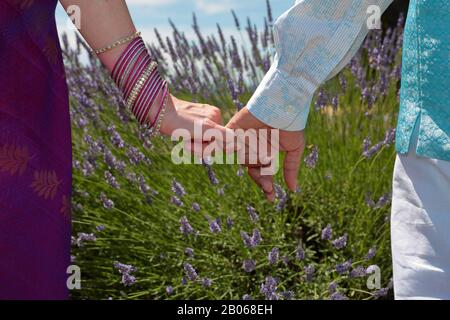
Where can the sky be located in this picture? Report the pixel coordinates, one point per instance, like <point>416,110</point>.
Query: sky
<point>148,14</point>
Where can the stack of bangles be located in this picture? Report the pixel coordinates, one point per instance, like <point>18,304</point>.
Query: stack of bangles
<point>141,84</point>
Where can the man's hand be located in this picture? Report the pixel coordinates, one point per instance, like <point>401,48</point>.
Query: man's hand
<point>291,142</point>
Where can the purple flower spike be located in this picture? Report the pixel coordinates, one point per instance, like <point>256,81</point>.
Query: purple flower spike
<point>340,242</point>
<point>274,256</point>
<point>312,158</point>
<point>185,226</point>
<point>338,296</point>
<point>214,225</point>
<point>300,253</point>
<point>371,254</point>
<point>229,223</point>
<point>84,237</point>
<point>327,233</point>
<point>358,272</point>
<point>189,252</point>
<point>249,265</point>
<point>128,279</point>
<point>342,268</point>
<point>309,272</point>
<point>169,290</point>
<point>178,189</point>
<point>252,213</point>
<point>196,207</point>
<point>269,288</point>
<point>176,201</point>
<point>206,282</point>
<point>190,271</point>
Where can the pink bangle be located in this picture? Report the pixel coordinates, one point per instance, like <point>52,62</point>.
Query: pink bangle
<point>140,82</point>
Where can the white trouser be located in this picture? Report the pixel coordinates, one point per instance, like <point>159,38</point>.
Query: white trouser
<point>420,228</point>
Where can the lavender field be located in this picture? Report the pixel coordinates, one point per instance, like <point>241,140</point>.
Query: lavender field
<point>145,228</point>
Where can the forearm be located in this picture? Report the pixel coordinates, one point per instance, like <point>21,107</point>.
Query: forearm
<point>315,40</point>
<point>102,23</point>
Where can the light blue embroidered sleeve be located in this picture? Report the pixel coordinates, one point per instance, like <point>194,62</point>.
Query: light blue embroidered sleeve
<point>314,40</point>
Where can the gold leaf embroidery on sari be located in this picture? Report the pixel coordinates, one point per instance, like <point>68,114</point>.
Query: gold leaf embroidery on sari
<point>13,159</point>
<point>45,183</point>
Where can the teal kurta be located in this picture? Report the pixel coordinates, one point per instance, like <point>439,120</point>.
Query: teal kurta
<point>425,92</point>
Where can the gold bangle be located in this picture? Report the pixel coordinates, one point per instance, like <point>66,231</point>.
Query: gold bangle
<point>155,131</point>
<point>117,43</point>
<point>140,84</point>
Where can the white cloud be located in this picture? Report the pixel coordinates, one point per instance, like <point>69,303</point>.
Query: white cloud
<point>214,7</point>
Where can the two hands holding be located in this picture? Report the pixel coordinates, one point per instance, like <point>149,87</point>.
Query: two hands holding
<point>184,115</point>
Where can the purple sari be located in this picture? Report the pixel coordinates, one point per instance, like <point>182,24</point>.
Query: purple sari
<point>35,154</point>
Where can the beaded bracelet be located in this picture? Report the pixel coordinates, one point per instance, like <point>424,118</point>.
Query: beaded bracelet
<point>117,43</point>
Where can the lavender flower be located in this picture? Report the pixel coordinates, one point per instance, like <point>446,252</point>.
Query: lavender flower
<point>340,242</point>
<point>190,271</point>
<point>211,175</point>
<point>248,242</point>
<point>309,272</point>
<point>107,203</point>
<point>249,265</point>
<point>327,233</point>
<point>256,237</point>
<point>381,293</point>
<point>124,268</point>
<point>389,137</point>
<point>83,237</point>
<point>332,287</point>
<point>369,202</point>
<point>178,189</point>
<point>128,279</point>
<point>247,297</point>
<point>229,223</point>
<point>288,295</point>
<point>135,156</point>
<point>342,268</point>
<point>189,252</point>
<point>384,200</point>
<point>111,180</point>
<point>176,201</point>
<point>274,255</point>
<point>214,225</point>
<point>196,207</point>
<point>338,296</point>
<point>312,158</point>
<point>371,254</point>
<point>100,228</point>
<point>115,137</point>
<point>185,226</point>
<point>252,213</point>
<point>169,290</point>
<point>358,272</point>
<point>281,196</point>
<point>269,288</point>
<point>206,282</point>
<point>300,253</point>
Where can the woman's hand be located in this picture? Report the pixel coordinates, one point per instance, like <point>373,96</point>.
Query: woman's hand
<point>182,114</point>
